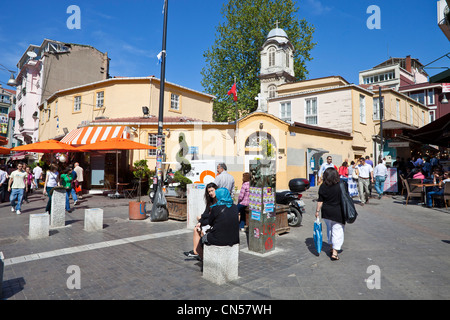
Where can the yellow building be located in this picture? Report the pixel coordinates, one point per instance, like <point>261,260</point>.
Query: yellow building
<point>236,146</point>
<point>66,109</point>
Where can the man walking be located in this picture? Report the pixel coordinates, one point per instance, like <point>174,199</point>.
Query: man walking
<point>79,171</point>
<point>365,176</point>
<point>380,173</point>
<point>3,182</point>
<point>37,173</point>
<point>17,186</point>
<point>324,166</point>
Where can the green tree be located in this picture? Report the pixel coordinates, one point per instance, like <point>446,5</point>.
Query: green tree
<point>236,51</point>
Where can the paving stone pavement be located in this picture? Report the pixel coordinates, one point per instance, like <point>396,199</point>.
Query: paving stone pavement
<point>407,246</point>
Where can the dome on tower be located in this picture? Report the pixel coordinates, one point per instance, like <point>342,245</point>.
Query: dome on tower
<point>277,32</point>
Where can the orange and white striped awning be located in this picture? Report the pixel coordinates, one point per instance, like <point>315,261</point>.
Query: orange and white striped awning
<point>88,135</point>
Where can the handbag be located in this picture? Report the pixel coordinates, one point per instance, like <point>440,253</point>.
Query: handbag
<point>347,206</point>
<point>354,174</point>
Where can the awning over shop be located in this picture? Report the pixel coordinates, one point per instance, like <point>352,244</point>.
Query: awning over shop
<point>88,135</point>
<point>435,133</point>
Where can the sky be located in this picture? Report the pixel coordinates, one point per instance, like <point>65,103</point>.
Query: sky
<point>131,32</point>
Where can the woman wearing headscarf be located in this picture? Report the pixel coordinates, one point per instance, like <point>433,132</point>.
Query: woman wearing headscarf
<point>224,221</point>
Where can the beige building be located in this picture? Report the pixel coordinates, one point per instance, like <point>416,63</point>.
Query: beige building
<point>113,98</point>
<point>332,102</point>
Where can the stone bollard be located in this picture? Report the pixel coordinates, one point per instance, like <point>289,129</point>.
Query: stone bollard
<point>220,264</point>
<point>58,214</point>
<point>195,203</point>
<point>2,266</point>
<point>93,219</point>
<point>39,225</point>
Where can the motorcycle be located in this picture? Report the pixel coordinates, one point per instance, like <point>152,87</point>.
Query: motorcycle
<point>293,199</point>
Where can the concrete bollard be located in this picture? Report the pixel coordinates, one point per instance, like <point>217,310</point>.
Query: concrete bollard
<point>93,219</point>
<point>39,225</point>
<point>220,264</point>
<point>2,266</point>
<point>195,203</point>
<point>58,214</point>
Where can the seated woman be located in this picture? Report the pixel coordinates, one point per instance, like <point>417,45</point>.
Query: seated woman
<point>224,222</point>
<point>419,175</point>
<point>202,225</point>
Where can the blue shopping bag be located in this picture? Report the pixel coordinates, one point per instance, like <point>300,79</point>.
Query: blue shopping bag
<point>318,235</point>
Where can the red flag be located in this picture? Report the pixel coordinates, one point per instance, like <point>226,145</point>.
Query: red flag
<point>233,91</point>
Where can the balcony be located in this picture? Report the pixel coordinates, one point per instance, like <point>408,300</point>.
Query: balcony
<point>444,25</point>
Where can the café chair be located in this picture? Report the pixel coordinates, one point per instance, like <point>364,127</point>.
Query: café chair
<point>413,191</point>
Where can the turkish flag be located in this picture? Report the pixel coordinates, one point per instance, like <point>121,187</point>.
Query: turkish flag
<point>233,91</point>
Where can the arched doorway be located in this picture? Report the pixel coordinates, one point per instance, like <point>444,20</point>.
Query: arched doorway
<point>254,147</point>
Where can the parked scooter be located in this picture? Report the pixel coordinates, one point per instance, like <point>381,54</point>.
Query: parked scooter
<point>293,199</point>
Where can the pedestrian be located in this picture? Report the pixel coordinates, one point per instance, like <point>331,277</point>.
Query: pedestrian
<point>324,166</point>
<point>243,199</point>
<point>365,176</point>
<point>73,186</point>
<point>79,171</point>
<point>380,174</point>
<point>37,172</point>
<point>368,161</point>
<point>51,181</point>
<point>66,182</point>
<point>3,183</point>
<point>202,226</point>
<point>224,222</point>
<point>440,191</point>
<point>16,187</point>
<point>224,179</point>
<point>343,171</point>
<point>352,179</point>
<point>30,183</point>
<point>329,203</point>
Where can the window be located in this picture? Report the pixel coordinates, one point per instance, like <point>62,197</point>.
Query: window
<point>99,99</point>
<point>362,108</point>
<point>411,115</point>
<point>77,104</point>
<point>152,139</point>
<point>272,91</point>
<point>56,108</point>
<point>423,118</point>
<point>272,56</point>
<point>432,115</point>
<point>430,96</point>
<point>174,102</point>
<point>287,59</point>
<point>419,97</point>
<point>376,109</point>
<point>285,111</point>
<point>311,111</point>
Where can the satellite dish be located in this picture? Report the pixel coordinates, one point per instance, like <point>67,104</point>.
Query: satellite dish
<point>32,54</point>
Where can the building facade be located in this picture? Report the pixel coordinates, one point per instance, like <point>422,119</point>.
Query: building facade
<point>46,69</point>
<point>7,97</point>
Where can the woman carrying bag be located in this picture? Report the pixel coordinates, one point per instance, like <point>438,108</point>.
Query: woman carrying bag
<point>329,203</point>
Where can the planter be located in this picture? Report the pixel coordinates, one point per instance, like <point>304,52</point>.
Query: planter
<point>136,210</point>
<point>177,208</point>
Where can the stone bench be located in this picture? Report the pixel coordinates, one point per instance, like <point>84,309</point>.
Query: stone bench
<point>39,225</point>
<point>220,263</point>
<point>93,219</point>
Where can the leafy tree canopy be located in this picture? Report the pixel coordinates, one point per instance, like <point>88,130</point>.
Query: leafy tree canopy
<point>235,53</point>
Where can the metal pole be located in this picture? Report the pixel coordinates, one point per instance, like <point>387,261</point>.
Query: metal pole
<point>381,121</point>
<point>159,208</point>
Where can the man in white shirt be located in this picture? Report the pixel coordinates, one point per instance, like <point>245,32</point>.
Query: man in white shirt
<point>325,166</point>
<point>17,186</point>
<point>37,173</point>
<point>380,174</point>
<point>365,175</point>
<point>224,179</point>
<point>79,171</point>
